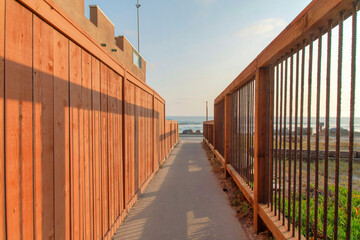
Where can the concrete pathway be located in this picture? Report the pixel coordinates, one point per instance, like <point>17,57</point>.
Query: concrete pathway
<point>183,201</point>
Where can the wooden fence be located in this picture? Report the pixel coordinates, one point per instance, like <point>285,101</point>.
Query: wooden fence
<point>80,135</point>
<point>264,121</point>
<point>208,131</point>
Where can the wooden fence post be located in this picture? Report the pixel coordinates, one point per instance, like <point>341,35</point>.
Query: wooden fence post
<point>261,168</point>
<point>227,113</point>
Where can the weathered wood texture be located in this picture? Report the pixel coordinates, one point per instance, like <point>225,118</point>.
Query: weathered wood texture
<point>2,162</point>
<point>82,135</point>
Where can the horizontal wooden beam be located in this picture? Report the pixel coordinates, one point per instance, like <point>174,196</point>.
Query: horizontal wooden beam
<point>276,227</point>
<point>211,122</point>
<point>245,189</point>
<point>315,15</point>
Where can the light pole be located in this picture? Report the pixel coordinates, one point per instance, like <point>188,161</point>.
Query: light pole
<point>207,112</point>
<point>138,24</point>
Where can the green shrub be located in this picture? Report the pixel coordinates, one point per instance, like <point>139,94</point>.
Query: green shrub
<point>355,214</point>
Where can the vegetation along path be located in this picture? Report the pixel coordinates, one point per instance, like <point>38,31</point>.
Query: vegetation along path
<point>183,201</point>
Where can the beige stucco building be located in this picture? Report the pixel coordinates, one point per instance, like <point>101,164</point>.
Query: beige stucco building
<point>103,31</point>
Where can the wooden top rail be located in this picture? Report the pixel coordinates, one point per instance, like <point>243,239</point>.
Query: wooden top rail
<point>211,122</point>
<point>170,121</point>
<point>57,18</point>
<point>307,23</point>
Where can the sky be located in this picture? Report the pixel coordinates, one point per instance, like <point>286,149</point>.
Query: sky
<point>195,48</point>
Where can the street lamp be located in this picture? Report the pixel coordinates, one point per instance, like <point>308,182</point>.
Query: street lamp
<point>138,24</point>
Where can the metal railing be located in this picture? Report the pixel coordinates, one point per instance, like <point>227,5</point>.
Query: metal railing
<point>242,132</point>
<point>287,130</point>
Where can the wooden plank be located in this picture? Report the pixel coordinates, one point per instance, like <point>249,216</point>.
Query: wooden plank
<point>104,72</point>
<point>125,139</point>
<point>140,140</point>
<point>130,133</point>
<point>111,109</point>
<point>115,146</point>
<point>145,150</point>
<point>81,156</point>
<point>75,136</point>
<point>120,112</point>
<point>118,145</point>
<point>86,106</point>
<point>154,136</point>
<point>97,170</point>
<point>137,136</point>
<point>245,189</point>
<point>149,137</point>
<point>2,118</point>
<point>18,121</point>
<point>61,138</point>
<point>277,228</point>
<point>43,135</point>
<point>91,154</point>
<point>115,151</point>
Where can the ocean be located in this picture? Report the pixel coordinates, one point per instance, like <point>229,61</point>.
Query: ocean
<point>189,122</point>
<point>196,122</point>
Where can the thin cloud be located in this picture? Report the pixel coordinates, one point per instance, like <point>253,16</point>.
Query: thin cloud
<point>265,27</point>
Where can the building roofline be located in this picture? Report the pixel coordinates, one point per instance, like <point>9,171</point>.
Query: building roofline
<point>93,6</point>
<point>132,46</point>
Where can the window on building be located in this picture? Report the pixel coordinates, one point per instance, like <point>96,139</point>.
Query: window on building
<point>137,59</point>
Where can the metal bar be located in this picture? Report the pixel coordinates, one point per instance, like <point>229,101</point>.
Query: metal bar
<point>327,115</point>
<point>317,133</point>
<point>231,128</point>
<point>338,125</point>
<point>284,141</point>
<point>301,132</point>
<point>280,135</point>
<point>245,134</point>
<point>235,130</point>
<point>238,143</point>
<point>277,133</point>
<point>241,132</point>
<point>308,139</point>
<point>351,124</point>
<point>252,131</point>
<point>248,94</point>
<point>296,137</point>
<point>250,134</point>
<point>290,136</point>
